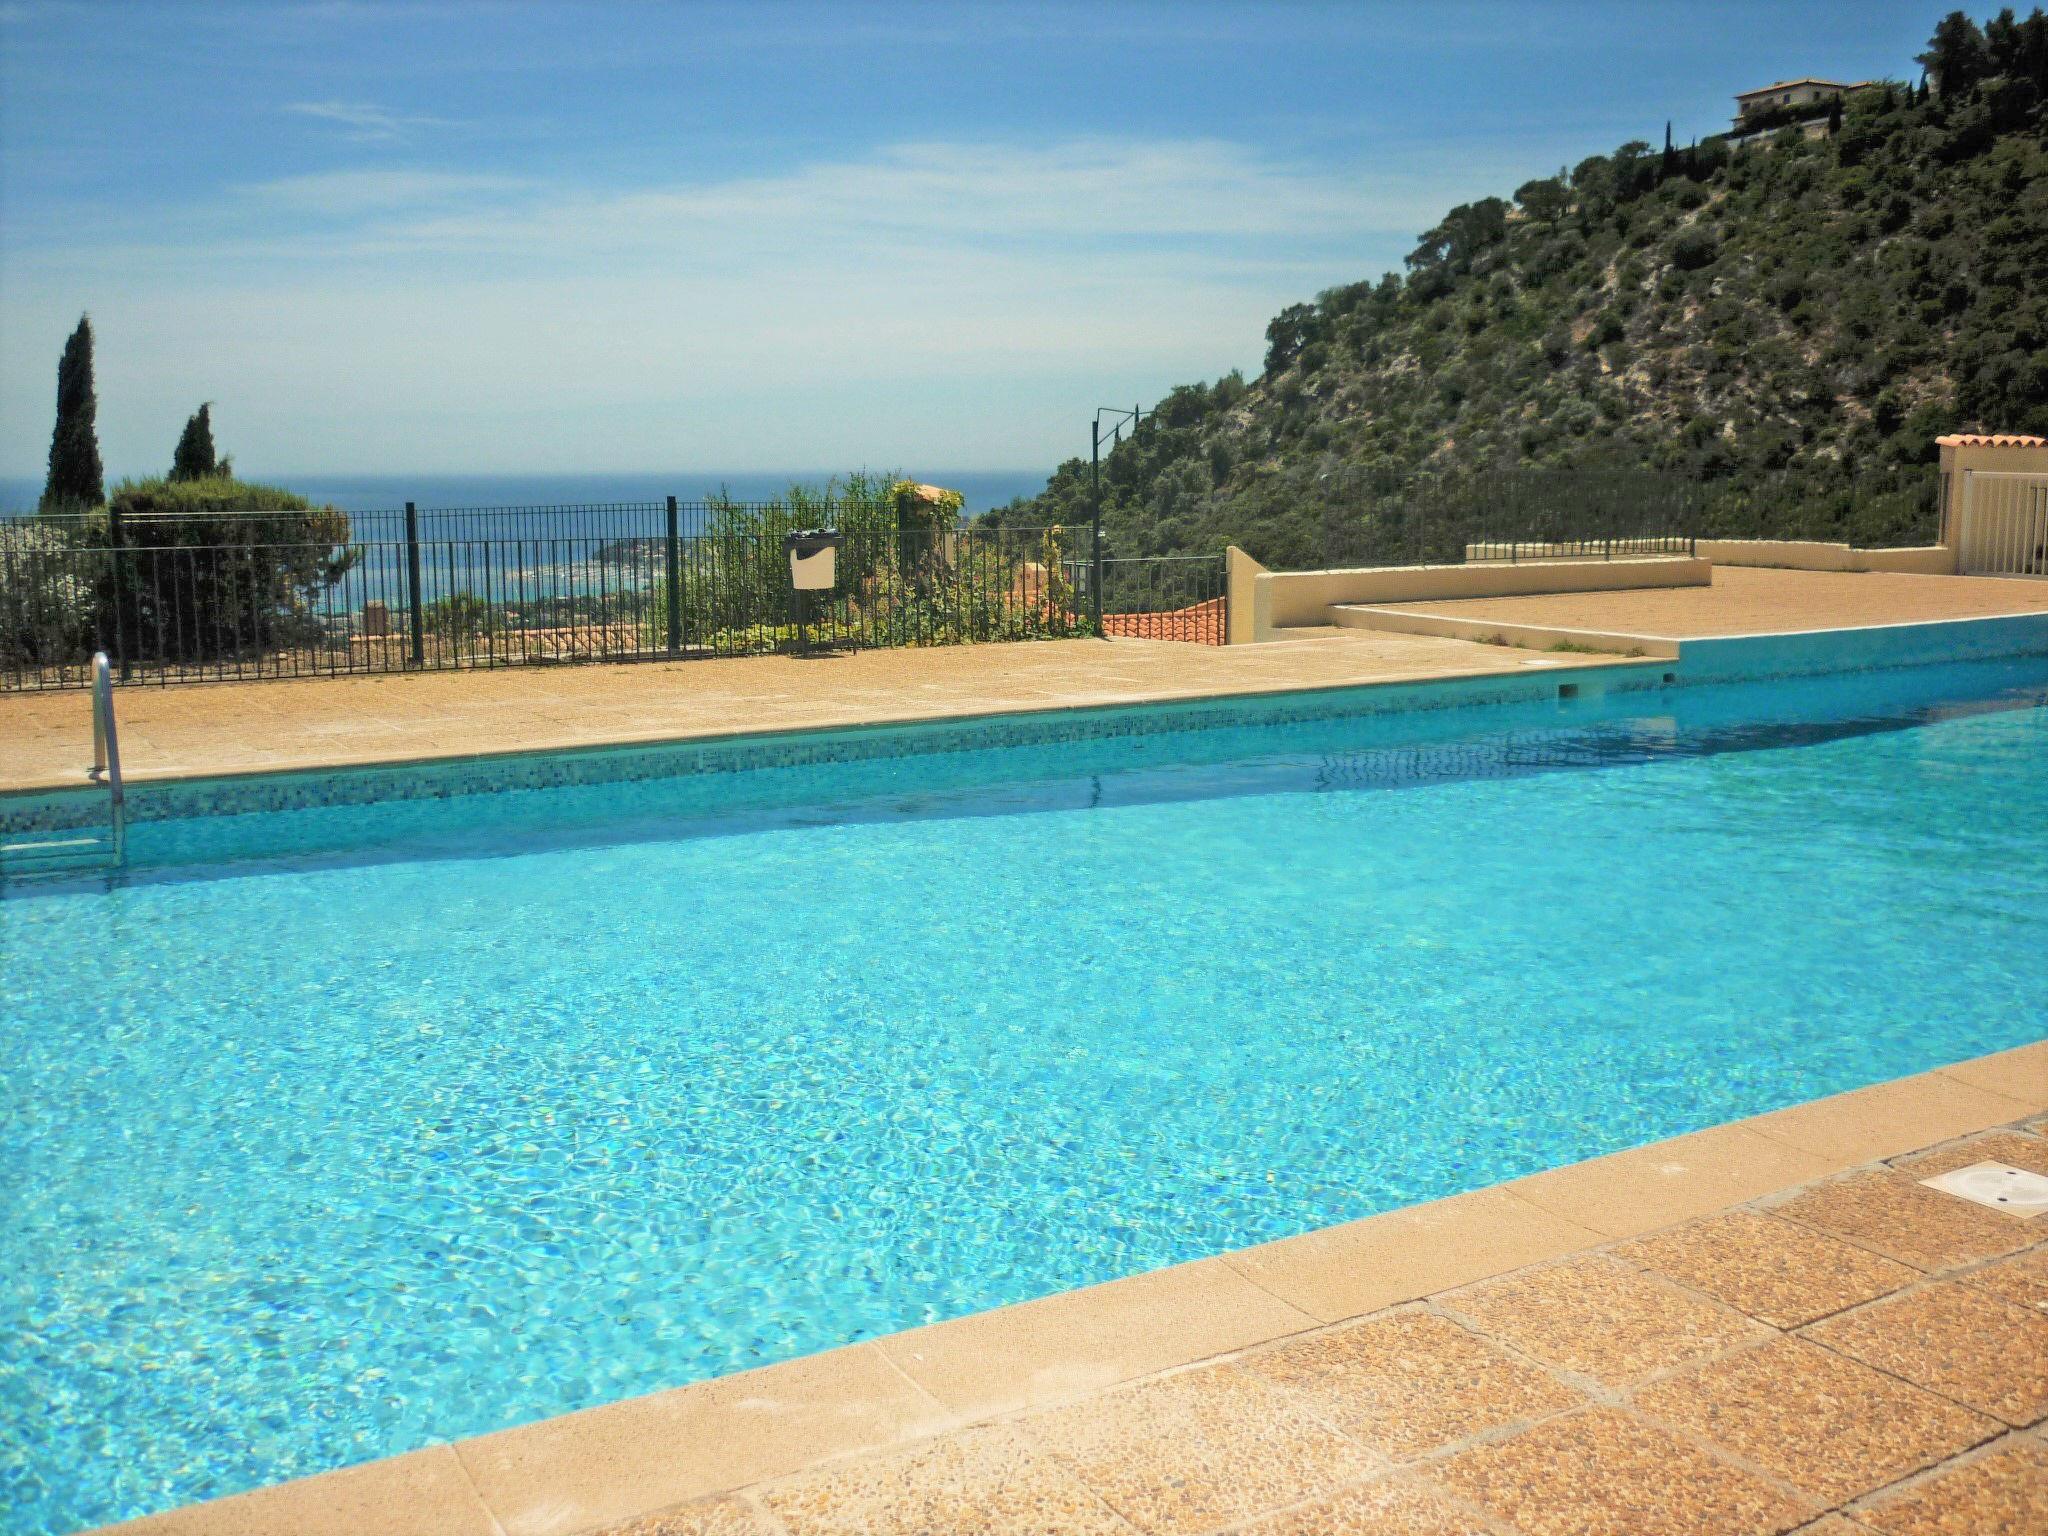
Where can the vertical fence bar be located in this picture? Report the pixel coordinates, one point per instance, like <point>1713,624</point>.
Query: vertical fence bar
<point>116,542</point>
<point>412,580</point>
<point>673,580</point>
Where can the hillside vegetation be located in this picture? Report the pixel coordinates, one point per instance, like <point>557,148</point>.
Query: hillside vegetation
<point>1789,322</point>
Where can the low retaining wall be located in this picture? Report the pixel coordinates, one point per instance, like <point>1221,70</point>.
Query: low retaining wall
<point>1814,555</point>
<point>1283,600</point>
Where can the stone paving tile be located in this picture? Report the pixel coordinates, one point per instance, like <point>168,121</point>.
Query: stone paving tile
<point>983,1480</point>
<point>1604,1473</point>
<point>1956,1340</point>
<point>1904,1220</point>
<point>718,1517</point>
<point>2021,1279</point>
<point>2002,1493</point>
<point>1778,1273</point>
<point>1600,1319</point>
<point>1190,1452</point>
<point>1410,1382</point>
<point>1389,1507</point>
<point>1827,1425</point>
<point>2014,1147</point>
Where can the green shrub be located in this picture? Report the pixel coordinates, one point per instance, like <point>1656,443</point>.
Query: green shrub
<point>215,568</point>
<point>46,595</point>
<point>1694,249</point>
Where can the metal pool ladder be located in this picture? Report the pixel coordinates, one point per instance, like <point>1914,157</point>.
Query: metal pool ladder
<point>95,851</point>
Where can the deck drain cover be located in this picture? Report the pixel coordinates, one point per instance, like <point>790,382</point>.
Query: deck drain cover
<point>1998,1185</point>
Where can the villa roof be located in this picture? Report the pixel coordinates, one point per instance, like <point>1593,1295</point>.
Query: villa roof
<point>1992,440</point>
<point>1765,90</point>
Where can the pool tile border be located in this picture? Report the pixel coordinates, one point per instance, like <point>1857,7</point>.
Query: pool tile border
<point>442,778</point>
<point>578,1472</point>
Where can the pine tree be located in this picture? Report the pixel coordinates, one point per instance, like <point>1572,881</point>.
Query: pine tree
<point>76,477</point>
<point>1956,55</point>
<point>194,458</point>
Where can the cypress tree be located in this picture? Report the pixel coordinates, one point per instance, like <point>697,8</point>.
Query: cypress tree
<point>76,477</point>
<point>1834,116</point>
<point>194,458</point>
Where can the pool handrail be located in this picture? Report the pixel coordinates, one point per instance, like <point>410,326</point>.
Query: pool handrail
<point>106,752</point>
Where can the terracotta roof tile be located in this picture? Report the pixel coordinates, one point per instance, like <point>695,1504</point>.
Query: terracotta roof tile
<point>1991,440</point>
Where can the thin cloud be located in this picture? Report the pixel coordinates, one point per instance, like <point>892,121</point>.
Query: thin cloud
<point>345,194</point>
<point>364,122</point>
<point>948,300</point>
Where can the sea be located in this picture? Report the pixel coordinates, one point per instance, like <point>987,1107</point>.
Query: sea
<point>982,488</point>
<point>536,549</point>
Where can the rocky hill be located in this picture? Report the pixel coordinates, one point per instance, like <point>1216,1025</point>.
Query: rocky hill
<point>1786,323</point>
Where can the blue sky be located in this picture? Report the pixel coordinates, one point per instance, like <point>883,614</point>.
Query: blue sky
<point>468,237</point>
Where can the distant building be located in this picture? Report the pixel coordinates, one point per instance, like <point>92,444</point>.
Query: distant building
<point>1789,100</point>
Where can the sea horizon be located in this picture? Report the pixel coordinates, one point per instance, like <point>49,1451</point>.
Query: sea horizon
<point>981,488</point>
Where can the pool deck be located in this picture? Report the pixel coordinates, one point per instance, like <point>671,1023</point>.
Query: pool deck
<point>226,728</point>
<point>1767,1326</point>
<point>1750,600</point>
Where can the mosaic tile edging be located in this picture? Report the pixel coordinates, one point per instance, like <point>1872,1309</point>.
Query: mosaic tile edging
<point>54,810</point>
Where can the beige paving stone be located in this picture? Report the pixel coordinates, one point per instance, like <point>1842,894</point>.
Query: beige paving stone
<point>1892,1214</point>
<point>2021,1279</point>
<point>1605,1473</point>
<point>423,1493</point>
<point>1601,1319</point>
<point>1411,1382</point>
<point>2001,1493</point>
<point>1645,1188</point>
<point>990,1480</point>
<point>1957,1340</point>
<point>2020,1073</point>
<point>1829,1426</point>
<point>1887,1119</point>
<point>2018,1148</point>
<point>715,1517</point>
<point>581,1470</point>
<point>1773,1271</point>
<point>1746,600</point>
<point>1046,1351</point>
<point>1190,1452</point>
<point>1363,1266</point>
<point>1390,1506</point>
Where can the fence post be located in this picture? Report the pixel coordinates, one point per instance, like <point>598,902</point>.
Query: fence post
<point>1095,523</point>
<point>674,573</point>
<point>412,582</point>
<point>117,546</point>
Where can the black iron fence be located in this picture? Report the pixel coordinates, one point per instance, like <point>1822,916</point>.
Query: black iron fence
<point>1505,515</point>
<point>190,597</point>
<point>289,594</point>
<point>1364,518</point>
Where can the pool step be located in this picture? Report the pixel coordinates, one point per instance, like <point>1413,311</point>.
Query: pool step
<point>56,856</point>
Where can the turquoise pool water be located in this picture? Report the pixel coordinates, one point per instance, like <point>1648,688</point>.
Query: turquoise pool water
<point>558,1096</point>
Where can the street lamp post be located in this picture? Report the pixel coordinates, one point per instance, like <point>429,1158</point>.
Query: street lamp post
<point>1117,418</point>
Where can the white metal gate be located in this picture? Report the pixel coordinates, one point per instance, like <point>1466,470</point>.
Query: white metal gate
<point>2004,528</point>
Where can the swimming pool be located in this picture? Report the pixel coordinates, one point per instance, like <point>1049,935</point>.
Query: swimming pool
<point>342,1128</point>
